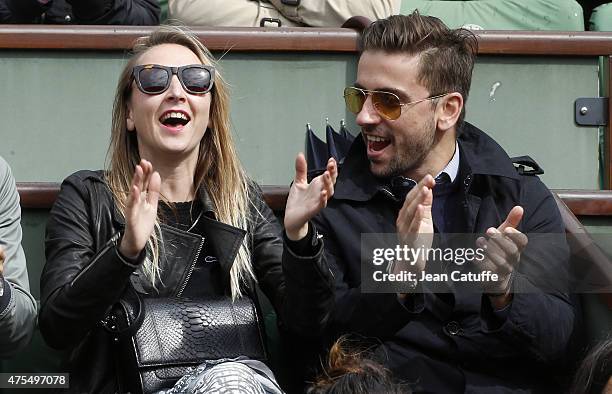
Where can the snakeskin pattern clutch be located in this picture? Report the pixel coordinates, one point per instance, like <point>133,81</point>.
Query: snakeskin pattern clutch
<point>172,335</point>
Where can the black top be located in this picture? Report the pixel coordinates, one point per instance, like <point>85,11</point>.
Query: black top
<point>206,277</point>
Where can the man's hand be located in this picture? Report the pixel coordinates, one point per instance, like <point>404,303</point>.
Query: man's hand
<point>503,251</point>
<point>414,222</point>
<point>305,199</point>
<point>141,209</point>
<point>2,257</point>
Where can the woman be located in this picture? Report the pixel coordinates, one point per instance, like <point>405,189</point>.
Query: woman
<point>173,170</point>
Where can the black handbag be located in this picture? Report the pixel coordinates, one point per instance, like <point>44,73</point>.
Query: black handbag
<point>159,339</point>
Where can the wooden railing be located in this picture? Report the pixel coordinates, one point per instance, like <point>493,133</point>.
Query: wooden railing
<point>249,39</point>
<point>587,202</point>
<point>42,195</point>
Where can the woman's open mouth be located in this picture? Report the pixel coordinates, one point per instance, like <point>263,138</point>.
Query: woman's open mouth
<point>174,121</point>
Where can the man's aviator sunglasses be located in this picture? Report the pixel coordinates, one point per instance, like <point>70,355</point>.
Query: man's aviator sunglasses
<point>387,104</point>
<point>155,79</point>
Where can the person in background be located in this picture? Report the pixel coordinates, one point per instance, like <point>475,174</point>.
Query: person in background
<point>351,369</point>
<point>250,13</point>
<point>17,306</point>
<point>84,12</point>
<point>594,375</point>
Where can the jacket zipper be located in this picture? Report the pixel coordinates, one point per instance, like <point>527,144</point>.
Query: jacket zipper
<point>195,260</point>
<point>112,242</point>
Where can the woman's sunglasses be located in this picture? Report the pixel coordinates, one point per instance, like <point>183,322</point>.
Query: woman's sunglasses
<point>387,104</point>
<point>155,79</point>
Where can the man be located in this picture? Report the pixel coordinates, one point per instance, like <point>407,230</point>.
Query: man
<point>413,80</point>
<point>17,306</point>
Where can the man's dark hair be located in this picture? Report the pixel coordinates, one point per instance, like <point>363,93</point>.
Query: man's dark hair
<point>446,56</point>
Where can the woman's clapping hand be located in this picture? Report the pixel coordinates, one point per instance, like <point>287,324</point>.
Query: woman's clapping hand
<point>141,209</point>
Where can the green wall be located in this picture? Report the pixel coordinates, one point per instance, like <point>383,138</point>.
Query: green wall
<point>531,112</point>
<point>56,107</point>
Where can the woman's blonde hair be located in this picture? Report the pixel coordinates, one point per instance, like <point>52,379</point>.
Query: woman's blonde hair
<point>218,168</point>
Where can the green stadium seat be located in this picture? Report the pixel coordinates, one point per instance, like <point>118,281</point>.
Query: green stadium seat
<point>503,14</point>
<point>601,18</point>
<point>163,5</point>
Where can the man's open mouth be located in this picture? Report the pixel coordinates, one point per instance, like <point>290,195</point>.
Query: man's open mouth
<point>377,143</point>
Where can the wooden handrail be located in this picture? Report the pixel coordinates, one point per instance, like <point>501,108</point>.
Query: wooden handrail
<point>288,39</point>
<point>587,202</point>
<point>37,195</point>
<point>544,43</point>
<point>235,39</point>
<point>42,195</point>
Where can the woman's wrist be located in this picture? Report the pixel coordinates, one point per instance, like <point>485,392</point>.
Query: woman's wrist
<point>297,234</point>
<point>127,250</point>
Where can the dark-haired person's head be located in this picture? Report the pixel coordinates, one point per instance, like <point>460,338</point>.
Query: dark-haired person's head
<point>413,79</point>
<point>353,371</point>
<point>446,56</point>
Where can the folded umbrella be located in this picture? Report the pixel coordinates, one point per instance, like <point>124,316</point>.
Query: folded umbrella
<point>337,145</point>
<point>316,151</point>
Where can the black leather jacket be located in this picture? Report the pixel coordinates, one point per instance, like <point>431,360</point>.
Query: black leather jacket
<point>85,275</point>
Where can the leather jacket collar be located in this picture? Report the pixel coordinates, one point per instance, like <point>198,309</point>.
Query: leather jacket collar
<point>181,247</point>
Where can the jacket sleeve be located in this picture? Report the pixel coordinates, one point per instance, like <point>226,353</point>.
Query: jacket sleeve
<point>81,280</point>
<point>120,12</point>
<point>299,287</point>
<point>540,319</point>
<point>6,16</point>
<point>20,11</point>
<point>378,315</point>
<point>17,306</point>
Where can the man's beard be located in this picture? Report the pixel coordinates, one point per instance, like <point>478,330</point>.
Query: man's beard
<point>411,155</point>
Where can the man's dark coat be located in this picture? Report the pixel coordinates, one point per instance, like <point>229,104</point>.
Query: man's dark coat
<point>453,342</point>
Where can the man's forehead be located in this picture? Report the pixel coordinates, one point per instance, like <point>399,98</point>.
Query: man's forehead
<point>386,56</point>
<point>379,70</point>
